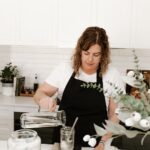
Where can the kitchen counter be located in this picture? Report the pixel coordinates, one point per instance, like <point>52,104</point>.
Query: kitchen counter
<point>17,101</point>
<point>19,104</point>
<point>8,105</point>
<point>3,146</point>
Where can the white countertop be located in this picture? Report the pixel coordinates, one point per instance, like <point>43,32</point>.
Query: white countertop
<point>3,146</point>
<point>17,101</point>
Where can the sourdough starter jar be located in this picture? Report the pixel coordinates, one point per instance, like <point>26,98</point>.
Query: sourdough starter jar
<point>24,139</point>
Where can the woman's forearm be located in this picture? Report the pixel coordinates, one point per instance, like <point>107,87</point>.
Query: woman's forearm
<point>43,97</point>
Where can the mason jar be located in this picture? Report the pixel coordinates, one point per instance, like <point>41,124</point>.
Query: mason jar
<point>67,138</point>
<point>24,139</point>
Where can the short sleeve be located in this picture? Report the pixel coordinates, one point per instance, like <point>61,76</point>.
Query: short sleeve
<point>54,77</point>
<point>60,76</point>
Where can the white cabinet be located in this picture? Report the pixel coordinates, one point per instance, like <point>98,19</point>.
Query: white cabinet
<point>6,121</point>
<point>8,11</point>
<point>61,22</point>
<point>115,17</point>
<point>141,26</point>
<point>74,17</point>
<point>28,22</point>
<point>37,22</point>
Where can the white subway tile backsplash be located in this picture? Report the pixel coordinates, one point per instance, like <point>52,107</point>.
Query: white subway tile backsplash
<point>42,59</point>
<point>4,55</point>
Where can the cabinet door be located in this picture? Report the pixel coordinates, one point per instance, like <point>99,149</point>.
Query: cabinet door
<point>74,17</point>
<point>115,17</point>
<point>8,10</point>
<point>6,123</point>
<point>141,28</point>
<point>37,22</point>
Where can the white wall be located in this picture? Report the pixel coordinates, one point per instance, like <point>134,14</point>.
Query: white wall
<point>42,59</point>
<point>4,55</point>
<point>123,59</point>
<point>37,59</point>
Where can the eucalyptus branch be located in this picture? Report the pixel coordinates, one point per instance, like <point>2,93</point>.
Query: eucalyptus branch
<point>90,85</point>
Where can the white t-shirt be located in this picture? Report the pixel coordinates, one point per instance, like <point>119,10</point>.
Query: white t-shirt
<point>62,73</point>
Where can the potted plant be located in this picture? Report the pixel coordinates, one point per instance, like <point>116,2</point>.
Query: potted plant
<point>7,78</point>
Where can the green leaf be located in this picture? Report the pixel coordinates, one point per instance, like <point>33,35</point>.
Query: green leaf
<point>123,115</point>
<point>88,85</point>
<point>115,128</point>
<point>94,85</point>
<point>144,114</point>
<point>131,134</point>
<point>98,86</point>
<point>148,118</point>
<point>101,90</point>
<point>99,130</point>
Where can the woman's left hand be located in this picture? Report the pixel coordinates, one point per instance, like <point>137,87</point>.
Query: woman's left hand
<point>99,147</point>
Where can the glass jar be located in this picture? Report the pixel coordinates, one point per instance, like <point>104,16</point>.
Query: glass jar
<point>43,119</point>
<point>24,139</point>
<point>67,138</point>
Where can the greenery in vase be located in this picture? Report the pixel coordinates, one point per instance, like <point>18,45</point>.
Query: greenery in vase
<point>8,73</point>
<point>133,112</point>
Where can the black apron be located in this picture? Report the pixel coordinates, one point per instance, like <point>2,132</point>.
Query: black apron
<point>87,104</point>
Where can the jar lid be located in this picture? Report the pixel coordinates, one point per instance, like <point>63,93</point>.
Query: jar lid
<point>24,135</point>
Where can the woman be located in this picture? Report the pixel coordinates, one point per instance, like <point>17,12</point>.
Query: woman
<point>90,65</point>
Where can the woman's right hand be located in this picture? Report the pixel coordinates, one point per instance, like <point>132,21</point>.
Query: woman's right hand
<point>99,147</point>
<point>52,105</point>
<point>43,97</point>
<point>48,103</point>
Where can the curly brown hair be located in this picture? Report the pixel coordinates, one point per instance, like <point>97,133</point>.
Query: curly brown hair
<point>90,37</point>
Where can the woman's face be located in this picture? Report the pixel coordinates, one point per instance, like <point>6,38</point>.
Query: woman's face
<point>90,59</point>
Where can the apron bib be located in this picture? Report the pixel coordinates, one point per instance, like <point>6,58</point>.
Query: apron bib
<point>88,104</point>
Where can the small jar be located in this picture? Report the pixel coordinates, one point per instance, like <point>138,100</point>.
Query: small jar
<point>24,139</point>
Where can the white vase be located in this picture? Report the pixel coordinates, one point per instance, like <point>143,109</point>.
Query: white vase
<point>7,89</point>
